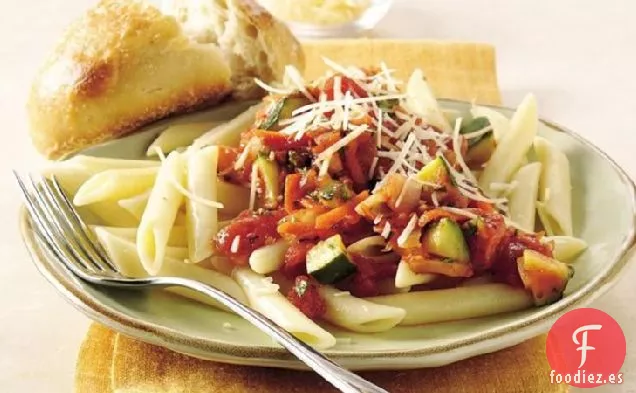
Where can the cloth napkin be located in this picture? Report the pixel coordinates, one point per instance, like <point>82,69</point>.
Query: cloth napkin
<point>109,362</point>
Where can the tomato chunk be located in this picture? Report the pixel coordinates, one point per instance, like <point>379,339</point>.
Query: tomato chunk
<point>346,84</point>
<point>306,297</point>
<point>512,248</point>
<point>248,232</point>
<point>490,230</point>
<point>296,258</point>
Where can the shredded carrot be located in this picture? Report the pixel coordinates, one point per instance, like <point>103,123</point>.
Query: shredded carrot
<point>438,214</point>
<point>353,162</point>
<point>345,213</point>
<point>277,141</point>
<point>325,140</point>
<point>292,191</point>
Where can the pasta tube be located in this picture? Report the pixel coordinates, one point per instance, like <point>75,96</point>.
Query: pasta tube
<point>135,205</point>
<point>555,189</point>
<point>522,200</point>
<point>269,258</point>
<point>265,298</point>
<point>513,147</point>
<point>500,124</point>
<point>566,248</point>
<point>421,100</point>
<point>178,135</point>
<point>357,314</point>
<point>457,303</point>
<point>178,237</point>
<point>160,214</point>
<point>123,253</point>
<point>115,184</point>
<point>228,134</point>
<point>202,219</point>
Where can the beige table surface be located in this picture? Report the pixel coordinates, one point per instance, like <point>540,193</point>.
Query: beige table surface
<point>577,56</point>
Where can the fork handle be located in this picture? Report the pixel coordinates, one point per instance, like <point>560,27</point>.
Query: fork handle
<point>344,380</point>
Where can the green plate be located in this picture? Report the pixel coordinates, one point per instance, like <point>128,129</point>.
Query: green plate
<point>604,216</point>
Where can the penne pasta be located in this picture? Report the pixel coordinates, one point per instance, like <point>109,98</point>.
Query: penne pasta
<point>160,213</point>
<point>123,253</point>
<point>135,205</point>
<point>177,238</point>
<point>107,213</point>
<point>457,303</point>
<point>405,277</point>
<point>265,298</point>
<point>500,124</point>
<point>357,314</point>
<point>201,219</point>
<point>555,189</point>
<point>513,147</point>
<point>99,164</point>
<point>269,258</point>
<point>522,199</point>
<point>566,248</point>
<point>178,135</point>
<point>115,184</point>
<point>234,198</point>
<point>421,100</point>
<point>228,134</point>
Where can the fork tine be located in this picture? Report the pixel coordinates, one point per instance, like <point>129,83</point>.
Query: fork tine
<point>86,235</point>
<point>44,230</point>
<point>60,218</point>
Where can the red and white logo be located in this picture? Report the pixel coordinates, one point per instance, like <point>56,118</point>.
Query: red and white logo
<point>586,348</point>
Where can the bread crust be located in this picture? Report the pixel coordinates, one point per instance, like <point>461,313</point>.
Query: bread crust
<point>276,41</point>
<point>253,42</point>
<point>122,65</point>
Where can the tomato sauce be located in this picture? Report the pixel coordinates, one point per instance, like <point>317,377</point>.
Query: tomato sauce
<point>306,297</point>
<point>253,230</point>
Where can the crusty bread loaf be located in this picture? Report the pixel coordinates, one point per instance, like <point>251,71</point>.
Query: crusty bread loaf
<point>253,42</point>
<point>122,65</point>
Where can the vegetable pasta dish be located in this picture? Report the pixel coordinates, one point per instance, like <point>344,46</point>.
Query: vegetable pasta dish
<point>353,200</point>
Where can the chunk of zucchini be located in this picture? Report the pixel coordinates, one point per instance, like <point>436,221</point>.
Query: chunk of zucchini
<point>476,124</point>
<point>328,261</point>
<point>281,110</point>
<point>269,171</point>
<point>544,277</point>
<point>435,171</point>
<point>479,153</point>
<point>445,239</point>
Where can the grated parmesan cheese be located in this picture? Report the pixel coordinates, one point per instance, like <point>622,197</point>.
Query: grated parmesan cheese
<point>401,240</point>
<point>386,231</point>
<point>235,244</point>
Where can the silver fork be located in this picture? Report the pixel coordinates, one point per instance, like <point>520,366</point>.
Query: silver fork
<point>63,233</point>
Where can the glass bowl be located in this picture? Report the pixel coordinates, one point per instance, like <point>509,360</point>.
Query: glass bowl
<point>367,19</point>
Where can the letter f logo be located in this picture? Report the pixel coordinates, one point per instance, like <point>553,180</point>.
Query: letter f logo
<point>583,344</point>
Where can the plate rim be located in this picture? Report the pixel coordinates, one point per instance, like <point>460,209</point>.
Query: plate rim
<point>524,327</point>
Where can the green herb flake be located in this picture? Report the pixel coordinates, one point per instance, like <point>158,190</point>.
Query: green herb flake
<point>388,105</point>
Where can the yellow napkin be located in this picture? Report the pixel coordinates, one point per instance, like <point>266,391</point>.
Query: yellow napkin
<point>112,363</point>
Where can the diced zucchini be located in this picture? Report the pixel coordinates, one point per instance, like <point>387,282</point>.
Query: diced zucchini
<point>477,124</point>
<point>328,261</point>
<point>544,277</point>
<point>446,239</point>
<point>479,153</point>
<point>334,193</point>
<point>282,109</point>
<point>435,171</point>
<point>268,170</point>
